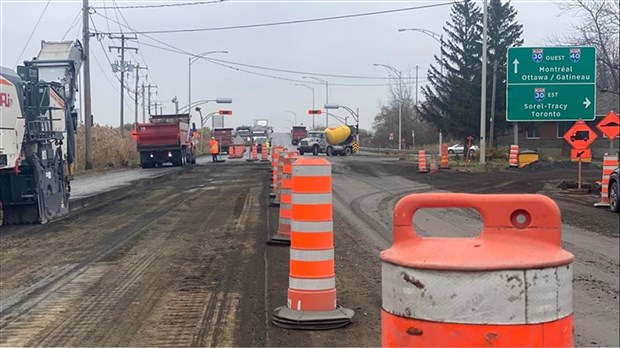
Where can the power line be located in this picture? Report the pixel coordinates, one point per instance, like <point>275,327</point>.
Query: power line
<point>32,33</point>
<point>163,5</point>
<point>72,25</point>
<point>321,19</point>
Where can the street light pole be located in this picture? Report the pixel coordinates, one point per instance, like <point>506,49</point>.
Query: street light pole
<point>326,96</point>
<point>191,60</point>
<point>294,115</point>
<point>312,89</point>
<point>483,88</point>
<point>400,102</point>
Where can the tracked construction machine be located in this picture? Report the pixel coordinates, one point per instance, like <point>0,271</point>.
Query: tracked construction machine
<point>38,123</point>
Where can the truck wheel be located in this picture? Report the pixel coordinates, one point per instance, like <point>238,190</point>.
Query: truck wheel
<point>347,151</point>
<point>315,150</point>
<point>329,151</point>
<point>613,196</point>
<point>301,153</point>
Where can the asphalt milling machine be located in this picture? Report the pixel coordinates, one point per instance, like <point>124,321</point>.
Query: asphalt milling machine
<point>38,134</point>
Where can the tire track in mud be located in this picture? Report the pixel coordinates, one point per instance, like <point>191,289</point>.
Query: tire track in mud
<point>75,324</point>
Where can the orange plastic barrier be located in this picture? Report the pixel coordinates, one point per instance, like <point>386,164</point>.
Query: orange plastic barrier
<point>513,159</point>
<point>609,164</point>
<point>311,302</point>
<point>275,157</point>
<point>444,157</point>
<point>278,185</point>
<point>236,152</point>
<point>510,286</point>
<point>422,162</point>
<point>253,154</point>
<point>283,236</point>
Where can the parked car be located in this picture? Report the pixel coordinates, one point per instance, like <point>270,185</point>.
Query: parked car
<point>458,149</point>
<point>613,191</point>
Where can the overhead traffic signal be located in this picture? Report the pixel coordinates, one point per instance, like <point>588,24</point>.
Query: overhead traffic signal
<point>225,112</point>
<point>314,112</point>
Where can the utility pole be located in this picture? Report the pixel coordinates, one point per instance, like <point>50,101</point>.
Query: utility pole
<point>416,85</point>
<point>483,88</point>
<point>138,67</point>
<point>149,98</point>
<point>492,123</point>
<point>143,103</point>
<point>123,66</point>
<point>88,118</point>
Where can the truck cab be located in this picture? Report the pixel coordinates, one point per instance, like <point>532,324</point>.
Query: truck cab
<point>315,143</point>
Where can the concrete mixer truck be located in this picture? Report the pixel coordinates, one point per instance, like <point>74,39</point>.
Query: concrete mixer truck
<point>335,140</point>
<point>38,121</point>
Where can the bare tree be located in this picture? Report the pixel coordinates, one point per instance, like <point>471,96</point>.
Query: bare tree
<point>599,26</point>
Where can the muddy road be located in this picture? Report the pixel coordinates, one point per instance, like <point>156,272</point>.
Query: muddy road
<point>185,262</point>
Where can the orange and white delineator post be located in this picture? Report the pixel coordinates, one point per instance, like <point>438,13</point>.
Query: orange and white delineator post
<point>311,301</point>
<point>422,162</point>
<point>444,157</point>
<point>283,236</point>
<point>513,158</point>
<point>274,171</point>
<point>609,164</point>
<point>510,286</point>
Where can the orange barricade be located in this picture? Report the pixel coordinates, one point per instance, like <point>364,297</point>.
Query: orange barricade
<point>311,301</point>
<point>263,153</point>
<point>237,151</point>
<point>444,157</point>
<point>510,286</point>
<point>284,226</point>
<point>609,164</point>
<point>422,162</point>
<point>253,154</point>
<point>513,159</point>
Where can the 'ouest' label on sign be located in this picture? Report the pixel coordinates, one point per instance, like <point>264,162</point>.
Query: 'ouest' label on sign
<point>551,84</point>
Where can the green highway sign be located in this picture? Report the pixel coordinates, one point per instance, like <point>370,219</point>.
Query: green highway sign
<point>551,84</point>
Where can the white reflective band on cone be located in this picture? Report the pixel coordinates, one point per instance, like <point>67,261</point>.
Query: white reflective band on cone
<point>286,191</point>
<point>312,170</point>
<point>284,221</point>
<point>312,255</point>
<point>311,198</point>
<point>312,284</point>
<point>495,297</point>
<point>312,226</point>
<point>285,206</point>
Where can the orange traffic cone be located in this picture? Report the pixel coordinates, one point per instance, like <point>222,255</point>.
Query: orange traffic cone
<point>253,154</point>
<point>311,303</point>
<point>510,286</point>
<point>263,153</point>
<point>609,164</point>
<point>278,185</point>
<point>444,157</point>
<point>284,226</point>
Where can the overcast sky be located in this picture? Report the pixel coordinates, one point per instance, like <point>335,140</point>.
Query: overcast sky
<point>339,47</point>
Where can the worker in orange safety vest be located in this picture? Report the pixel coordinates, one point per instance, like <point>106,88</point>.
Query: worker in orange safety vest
<point>214,149</point>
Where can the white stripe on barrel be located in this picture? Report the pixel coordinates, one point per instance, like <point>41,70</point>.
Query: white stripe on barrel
<point>312,284</point>
<point>312,255</point>
<point>311,198</point>
<point>312,227</point>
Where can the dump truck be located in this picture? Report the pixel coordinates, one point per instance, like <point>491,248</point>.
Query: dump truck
<point>298,133</point>
<point>166,139</point>
<point>224,137</point>
<point>335,140</point>
<point>38,123</point>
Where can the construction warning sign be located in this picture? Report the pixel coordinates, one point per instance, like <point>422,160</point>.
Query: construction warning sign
<point>584,155</point>
<point>610,125</point>
<point>580,136</point>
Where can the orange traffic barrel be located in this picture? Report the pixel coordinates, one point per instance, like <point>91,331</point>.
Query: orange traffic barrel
<point>274,171</point>
<point>311,300</point>
<point>609,164</point>
<point>278,185</point>
<point>422,162</point>
<point>444,157</point>
<point>263,153</point>
<point>253,154</point>
<point>509,286</point>
<point>513,158</point>
<point>283,236</point>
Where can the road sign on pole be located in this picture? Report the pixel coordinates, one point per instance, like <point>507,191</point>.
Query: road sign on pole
<point>551,84</point>
<point>610,125</point>
<point>580,136</point>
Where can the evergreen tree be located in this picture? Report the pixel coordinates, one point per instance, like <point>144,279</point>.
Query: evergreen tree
<point>503,32</point>
<point>453,98</point>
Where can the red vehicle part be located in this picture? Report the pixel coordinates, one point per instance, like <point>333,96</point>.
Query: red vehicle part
<point>298,133</point>
<point>165,140</point>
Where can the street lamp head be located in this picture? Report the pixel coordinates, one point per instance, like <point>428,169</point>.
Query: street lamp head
<point>331,106</point>
<point>198,109</point>
<point>223,100</point>
<point>402,29</point>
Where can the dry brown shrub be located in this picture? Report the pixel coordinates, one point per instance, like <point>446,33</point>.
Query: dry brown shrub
<point>109,150</point>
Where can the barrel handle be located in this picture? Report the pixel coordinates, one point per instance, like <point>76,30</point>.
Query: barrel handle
<point>531,216</point>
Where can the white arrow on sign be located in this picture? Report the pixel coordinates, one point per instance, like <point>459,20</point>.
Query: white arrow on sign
<point>587,102</point>
<point>516,64</point>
